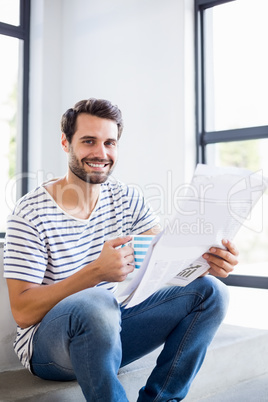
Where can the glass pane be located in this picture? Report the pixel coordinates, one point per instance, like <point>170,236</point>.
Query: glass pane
<point>252,239</point>
<point>251,154</point>
<point>10,12</point>
<point>9,47</point>
<point>236,65</point>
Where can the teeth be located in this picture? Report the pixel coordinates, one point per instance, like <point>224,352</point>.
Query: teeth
<point>98,165</point>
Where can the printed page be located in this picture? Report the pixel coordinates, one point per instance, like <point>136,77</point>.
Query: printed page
<point>190,273</point>
<point>217,202</point>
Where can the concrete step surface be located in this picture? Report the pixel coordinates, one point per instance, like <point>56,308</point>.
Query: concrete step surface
<point>235,370</point>
<point>255,390</point>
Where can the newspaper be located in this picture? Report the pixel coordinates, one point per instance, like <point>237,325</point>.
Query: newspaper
<point>218,201</point>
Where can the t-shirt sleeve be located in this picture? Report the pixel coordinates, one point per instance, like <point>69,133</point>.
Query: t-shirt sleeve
<point>143,216</point>
<point>25,255</point>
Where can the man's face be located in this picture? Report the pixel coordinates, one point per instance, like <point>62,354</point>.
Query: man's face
<point>93,150</point>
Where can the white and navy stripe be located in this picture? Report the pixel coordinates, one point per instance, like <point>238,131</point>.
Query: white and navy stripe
<point>44,244</point>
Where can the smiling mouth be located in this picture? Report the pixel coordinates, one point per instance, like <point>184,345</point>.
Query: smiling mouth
<point>97,165</point>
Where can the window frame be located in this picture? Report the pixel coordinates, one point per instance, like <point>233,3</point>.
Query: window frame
<point>22,32</point>
<point>204,137</point>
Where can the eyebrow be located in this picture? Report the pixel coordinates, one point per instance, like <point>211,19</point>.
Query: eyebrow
<point>91,137</point>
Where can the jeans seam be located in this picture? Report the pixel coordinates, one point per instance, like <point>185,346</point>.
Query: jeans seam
<point>51,363</point>
<point>179,352</point>
<point>88,366</point>
<point>132,314</point>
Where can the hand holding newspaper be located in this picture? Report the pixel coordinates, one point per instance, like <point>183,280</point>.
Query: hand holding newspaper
<point>217,203</point>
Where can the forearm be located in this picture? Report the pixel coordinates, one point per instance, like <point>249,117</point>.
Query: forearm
<point>34,301</point>
<point>31,302</point>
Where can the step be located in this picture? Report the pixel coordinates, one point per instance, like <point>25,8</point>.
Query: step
<point>236,354</point>
<point>254,390</point>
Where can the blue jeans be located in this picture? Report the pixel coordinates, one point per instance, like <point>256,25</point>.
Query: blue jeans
<point>88,337</point>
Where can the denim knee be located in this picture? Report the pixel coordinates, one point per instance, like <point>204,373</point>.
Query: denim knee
<point>218,293</point>
<point>95,310</point>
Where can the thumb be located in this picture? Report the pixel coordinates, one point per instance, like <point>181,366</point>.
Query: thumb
<point>119,241</point>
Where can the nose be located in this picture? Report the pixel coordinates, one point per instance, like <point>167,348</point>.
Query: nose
<point>99,151</point>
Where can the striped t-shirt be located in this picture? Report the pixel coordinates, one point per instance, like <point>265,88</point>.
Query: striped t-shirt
<point>45,245</point>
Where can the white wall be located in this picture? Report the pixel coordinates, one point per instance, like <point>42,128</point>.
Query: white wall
<point>139,55</point>
<point>45,156</point>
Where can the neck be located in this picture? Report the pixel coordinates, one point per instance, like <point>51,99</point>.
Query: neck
<point>75,196</point>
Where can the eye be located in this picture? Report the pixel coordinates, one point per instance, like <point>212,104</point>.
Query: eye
<point>110,143</point>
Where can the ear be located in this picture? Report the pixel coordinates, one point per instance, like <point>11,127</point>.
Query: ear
<point>64,143</point>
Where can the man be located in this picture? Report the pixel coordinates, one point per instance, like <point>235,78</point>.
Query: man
<point>62,263</point>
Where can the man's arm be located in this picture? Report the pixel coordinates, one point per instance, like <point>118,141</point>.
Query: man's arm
<point>30,302</point>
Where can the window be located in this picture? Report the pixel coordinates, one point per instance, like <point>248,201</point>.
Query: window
<point>14,78</point>
<point>232,105</point>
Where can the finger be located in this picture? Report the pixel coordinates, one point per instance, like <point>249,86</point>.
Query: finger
<point>119,241</point>
<point>230,246</point>
<point>216,271</point>
<point>128,266</point>
<point>127,250</point>
<point>129,260</point>
<point>218,260</point>
<point>224,255</point>
<point>125,272</point>
<point>219,265</point>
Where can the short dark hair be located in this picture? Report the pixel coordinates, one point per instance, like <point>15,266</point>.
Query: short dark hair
<point>96,107</point>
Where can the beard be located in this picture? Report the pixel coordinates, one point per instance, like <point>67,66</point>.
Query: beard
<point>93,177</point>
